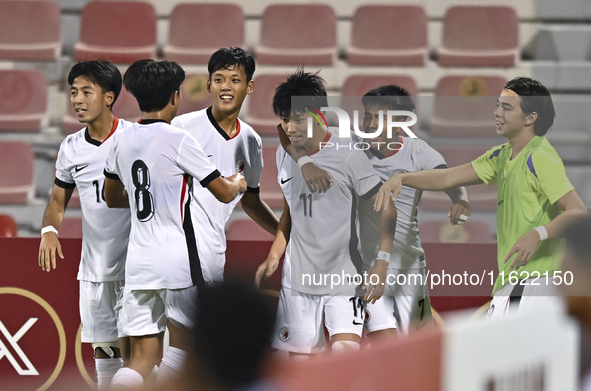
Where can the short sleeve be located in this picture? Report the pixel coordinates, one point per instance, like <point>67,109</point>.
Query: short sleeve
<point>193,160</point>
<point>486,165</point>
<point>253,175</point>
<point>549,172</point>
<point>63,176</point>
<point>362,176</point>
<point>111,163</point>
<point>427,157</point>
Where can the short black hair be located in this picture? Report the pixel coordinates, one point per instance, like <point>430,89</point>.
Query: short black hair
<point>153,82</point>
<point>300,83</point>
<point>227,58</point>
<point>577,238</point>
<point>102,72</point>
<point>534,97</point>
<point>232,332</point>
<point>390,97</point>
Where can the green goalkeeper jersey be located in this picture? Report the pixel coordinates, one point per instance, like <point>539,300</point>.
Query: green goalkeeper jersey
<point>528,188</point>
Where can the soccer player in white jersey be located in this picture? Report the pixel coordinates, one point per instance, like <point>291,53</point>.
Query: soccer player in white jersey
<point>322,235</point>
<point>151,169</point>
<point>94,88</point>
<point>232,146</point>
<point>402,306</point>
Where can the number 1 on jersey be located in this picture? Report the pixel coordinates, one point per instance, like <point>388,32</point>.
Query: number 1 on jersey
<point>307,204</point>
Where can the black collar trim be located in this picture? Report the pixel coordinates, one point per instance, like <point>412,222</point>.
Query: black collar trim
<point>90,139</point>
<point>215,123</point>
<point>150,121</point>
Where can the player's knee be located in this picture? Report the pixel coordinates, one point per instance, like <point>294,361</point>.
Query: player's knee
<point>106,349</point>
<point>345,346</point>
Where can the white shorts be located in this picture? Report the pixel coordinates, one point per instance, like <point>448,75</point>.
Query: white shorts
<point>523,298</point>
<point>406,307</point>
<point>145,312</point>
<point>298,326</point>
<point>100,305</point>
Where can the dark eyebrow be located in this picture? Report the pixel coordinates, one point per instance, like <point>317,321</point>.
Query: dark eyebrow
<point>505,105</point>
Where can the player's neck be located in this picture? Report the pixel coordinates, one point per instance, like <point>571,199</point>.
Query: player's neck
<point>313,144</point>
<point>100,128</point>
<point>165,115</point>
<point>227,121</point>
<point>520,140</point>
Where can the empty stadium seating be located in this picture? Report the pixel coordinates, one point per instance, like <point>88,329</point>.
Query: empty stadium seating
<point>247,229</point>
<point>23,100</point>
<point>388,35</point>
<point>297,34</point>
<point>71,228</point>
<point>260,112</point>
<point>121,31</point>
<point>29,30</point>
<point>471,231</point>
<point>482,197</point>
<point>270,189</point>
<point>479,36</point>
<point>16,165</point>
<point>8,227</point>
<point>197,30</point>
<point>126,107</point>
<point>194,94</point>
<point>464,106</point>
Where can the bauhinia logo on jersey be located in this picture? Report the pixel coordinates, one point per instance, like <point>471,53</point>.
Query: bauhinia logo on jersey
<point>240,165</point>
<point>32,341</point>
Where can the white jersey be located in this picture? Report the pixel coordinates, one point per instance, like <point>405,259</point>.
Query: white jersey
<point>80,163</point>
<point>284,177</point>
<point>323,238</point>
<point>241,153</point>
<point>158,164</point>
<point>407,251</point>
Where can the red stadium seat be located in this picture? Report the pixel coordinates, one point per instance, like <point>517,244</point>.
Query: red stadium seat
<point>302,34</point>
<point>247,229</point>
<point>260,112</point>
<point>464,106</point>
<point>121,31</point>
<point>194,94</point>
<point>23,100</point>
<point>71,228</point>
<point>443,232</point>
<point>8,227</point>
<point>30,30</point>
<point>17,184</point>
<point>195,31</point>
<point>388,35</point>
<point>479,36</point>
<point>270,189</point>
<point>126,107</point>
<point>482,197</point>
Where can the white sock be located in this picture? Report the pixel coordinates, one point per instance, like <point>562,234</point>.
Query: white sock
<point>345,346</point>
<point>105,369</point>
<point>127,378</point>
<point>172,363</point>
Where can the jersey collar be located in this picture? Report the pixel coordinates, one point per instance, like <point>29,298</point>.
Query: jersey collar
<point>97,143</point>
<point>217,127</point>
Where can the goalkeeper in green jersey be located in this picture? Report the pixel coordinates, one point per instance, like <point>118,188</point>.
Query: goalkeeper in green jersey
<point>536,200</point>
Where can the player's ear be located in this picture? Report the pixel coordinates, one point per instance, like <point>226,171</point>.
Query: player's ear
<point>209,85</point>
<point>109,98</point>
<point>175,99</point>
<point>249,87</point>
<point>531,118</point>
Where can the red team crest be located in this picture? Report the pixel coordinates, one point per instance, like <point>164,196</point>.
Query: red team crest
<point>283,334</point>
<point>240,165</point>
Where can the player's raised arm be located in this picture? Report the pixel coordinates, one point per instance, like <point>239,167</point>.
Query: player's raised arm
<point>269,266</point>
<point>434,180</point>
<point>52,220</point>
